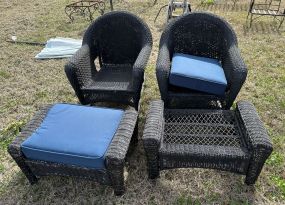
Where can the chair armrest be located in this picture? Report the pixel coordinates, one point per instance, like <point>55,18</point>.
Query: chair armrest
<point>235,71</point>
<point>162,71</point>
<point>80,67</point>
<point>259,143</point>
<point>119,146</point>
<point>154,126</point>
<point>252,127</point>
<point>139,66</point>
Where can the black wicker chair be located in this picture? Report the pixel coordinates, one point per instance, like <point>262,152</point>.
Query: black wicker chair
<point>122,44</point>
<point>201,34</point>
<point>228,140</point>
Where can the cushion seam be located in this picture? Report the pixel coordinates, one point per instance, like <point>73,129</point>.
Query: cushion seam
<point>212,81</point>
<point>66,154</point>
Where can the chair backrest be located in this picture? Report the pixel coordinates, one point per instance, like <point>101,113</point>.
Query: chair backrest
<point>117,37</point>
<point>199,33</point>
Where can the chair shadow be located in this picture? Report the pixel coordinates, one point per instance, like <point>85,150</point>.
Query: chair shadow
<point>144,6</point>
<point>170,188</point>
<point>222,7</point>
<point>260,27</point>
<point>164,190</point>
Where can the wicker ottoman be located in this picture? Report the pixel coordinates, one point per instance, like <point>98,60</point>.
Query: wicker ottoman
<point>72,140</point>
<point>228,140</point>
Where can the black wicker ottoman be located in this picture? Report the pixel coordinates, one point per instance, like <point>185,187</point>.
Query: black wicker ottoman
<point>227,140</point>
<point>81,141</point>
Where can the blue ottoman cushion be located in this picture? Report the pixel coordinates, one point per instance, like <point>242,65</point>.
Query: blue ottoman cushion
<point>74,135</point>
<point>198,73</point>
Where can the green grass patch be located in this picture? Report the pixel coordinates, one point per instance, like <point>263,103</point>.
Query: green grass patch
<point>9,133</point>
<point>4,74</point>
<point>187,200</point>
<point>1,168</point>
<point>239,202</point>
<point>209,2</point>
<point>41,95</point>
<point>280,183</point>
<point>275,159</point>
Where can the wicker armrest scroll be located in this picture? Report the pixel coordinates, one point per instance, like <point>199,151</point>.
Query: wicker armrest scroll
<point>79,70</point>
<point>139,66</point>
<point>162,70</point>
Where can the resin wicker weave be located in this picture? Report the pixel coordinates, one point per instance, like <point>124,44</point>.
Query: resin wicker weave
<point>122,43</point>
<point>206,35</point>
<point>114,156</point>
<point>228,140</point>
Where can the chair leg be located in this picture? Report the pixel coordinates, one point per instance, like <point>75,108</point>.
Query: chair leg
<point>235,1</point>
<point>189,8</point>
<point>258,159</point>
<point>250,23</point>
<point>152,160</point>
<point>23,166</point>
<point>281,22</point>
<point>117,177</point>
<point>153,169</point>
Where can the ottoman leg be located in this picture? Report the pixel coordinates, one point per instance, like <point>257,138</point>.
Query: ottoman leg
<point>152,163</point>
<point>19,159</point>
<point>259,157</point>
<point>117,178</point>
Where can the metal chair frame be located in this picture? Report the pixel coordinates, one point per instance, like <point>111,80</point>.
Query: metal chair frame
<point>268,8</point>
<point>172,6</point>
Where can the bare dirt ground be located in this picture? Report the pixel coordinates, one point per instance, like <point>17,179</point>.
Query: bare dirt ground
<point>26,84</point>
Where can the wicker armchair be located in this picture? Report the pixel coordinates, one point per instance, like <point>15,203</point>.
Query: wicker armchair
<point>206,35</point>
<point>122,44</point>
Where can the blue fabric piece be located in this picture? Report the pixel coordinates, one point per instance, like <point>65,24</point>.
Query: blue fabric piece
<point>59,48</point>
<point>74,135</point>
<point>198,73</point>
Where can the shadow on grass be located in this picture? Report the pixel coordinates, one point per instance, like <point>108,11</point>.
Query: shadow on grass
<point>222,7</point>
<point>183,186</point>
<point>260,27</point>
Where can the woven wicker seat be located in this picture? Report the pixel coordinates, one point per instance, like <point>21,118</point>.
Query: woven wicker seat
<point>205,35</point>
<point>226,140</point>
<point>121,42</point>
<point>112,79</point>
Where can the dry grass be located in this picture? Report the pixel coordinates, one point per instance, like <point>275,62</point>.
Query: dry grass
<point>26,84</point>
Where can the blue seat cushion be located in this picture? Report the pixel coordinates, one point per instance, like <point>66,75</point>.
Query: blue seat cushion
<point>198,73</point>
<point>74,135</point>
